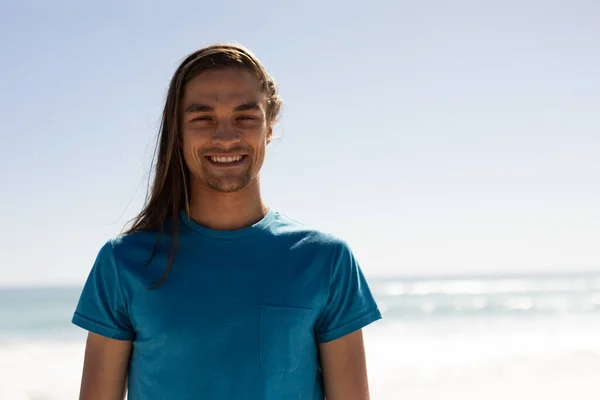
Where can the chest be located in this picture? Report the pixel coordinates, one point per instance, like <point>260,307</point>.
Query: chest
<point>246,308</point>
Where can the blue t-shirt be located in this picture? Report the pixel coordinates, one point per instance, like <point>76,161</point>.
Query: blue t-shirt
<point>240,315</point>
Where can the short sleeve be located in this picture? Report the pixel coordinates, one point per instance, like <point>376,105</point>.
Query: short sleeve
<point>102,307</point>
<point>350,305</point>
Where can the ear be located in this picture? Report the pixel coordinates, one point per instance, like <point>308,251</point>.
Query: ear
<point>270,134</point>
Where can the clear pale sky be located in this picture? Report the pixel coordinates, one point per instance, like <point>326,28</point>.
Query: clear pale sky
<point>436,137</point>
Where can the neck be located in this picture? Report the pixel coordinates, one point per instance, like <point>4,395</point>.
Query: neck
<point>227,211</point>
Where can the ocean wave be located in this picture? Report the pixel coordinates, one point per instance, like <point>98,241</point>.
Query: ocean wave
<point>460,286</point>
<point>404,297</point>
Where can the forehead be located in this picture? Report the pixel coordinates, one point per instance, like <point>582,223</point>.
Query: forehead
<point>230,85</point>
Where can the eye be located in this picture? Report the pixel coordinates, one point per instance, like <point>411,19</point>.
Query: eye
<point>205,118</point>
<point>246,117</point>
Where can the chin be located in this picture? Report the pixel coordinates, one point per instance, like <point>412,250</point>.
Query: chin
<point>228,186</point>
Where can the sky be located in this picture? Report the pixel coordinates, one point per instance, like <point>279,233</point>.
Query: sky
<point>435,137</point>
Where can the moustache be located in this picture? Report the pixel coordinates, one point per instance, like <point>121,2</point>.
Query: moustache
<point>225,153</point>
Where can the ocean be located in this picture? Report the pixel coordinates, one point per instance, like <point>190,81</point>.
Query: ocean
<point>473,337</point>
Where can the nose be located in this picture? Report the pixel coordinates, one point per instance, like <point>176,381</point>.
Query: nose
<point>225,134</point>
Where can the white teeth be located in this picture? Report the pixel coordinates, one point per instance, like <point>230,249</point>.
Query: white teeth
<point>226,159</point>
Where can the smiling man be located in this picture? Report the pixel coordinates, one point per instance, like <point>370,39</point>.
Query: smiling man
<point>211,294</point>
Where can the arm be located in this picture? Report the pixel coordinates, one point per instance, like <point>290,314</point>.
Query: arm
<point>344,368</point>
<point>105,368</point>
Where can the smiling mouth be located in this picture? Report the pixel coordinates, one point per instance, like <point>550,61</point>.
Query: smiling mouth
<point>226,161</point>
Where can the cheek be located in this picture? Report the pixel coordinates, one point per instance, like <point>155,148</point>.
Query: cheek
<point>261,152</point>
<point>193,139</point>
<point>189,146</point>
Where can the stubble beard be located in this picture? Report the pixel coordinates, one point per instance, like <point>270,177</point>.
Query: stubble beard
<point>228,183</point>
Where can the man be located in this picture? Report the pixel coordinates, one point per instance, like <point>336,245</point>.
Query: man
<point>211,294</point>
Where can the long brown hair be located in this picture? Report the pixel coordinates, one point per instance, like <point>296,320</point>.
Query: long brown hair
<point>170,191</point>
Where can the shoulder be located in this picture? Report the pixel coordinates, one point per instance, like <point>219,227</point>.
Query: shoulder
<point>136,245</point>
<point>308,235</point>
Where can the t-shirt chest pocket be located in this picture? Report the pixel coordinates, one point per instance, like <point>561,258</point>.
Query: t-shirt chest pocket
<point>286,336</point>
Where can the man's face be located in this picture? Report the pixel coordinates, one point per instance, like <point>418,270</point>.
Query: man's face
<point>224,129</point>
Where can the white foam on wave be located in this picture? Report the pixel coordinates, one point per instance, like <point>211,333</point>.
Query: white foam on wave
<point>489,286</point>
<point>547,360</point>
<point>518,360</point>
<point>41,370</point>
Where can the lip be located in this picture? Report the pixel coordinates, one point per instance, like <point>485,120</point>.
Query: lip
<point>228,165</point>
<point>226,155</point>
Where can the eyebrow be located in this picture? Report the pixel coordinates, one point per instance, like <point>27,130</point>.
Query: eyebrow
<point>198,107</point>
